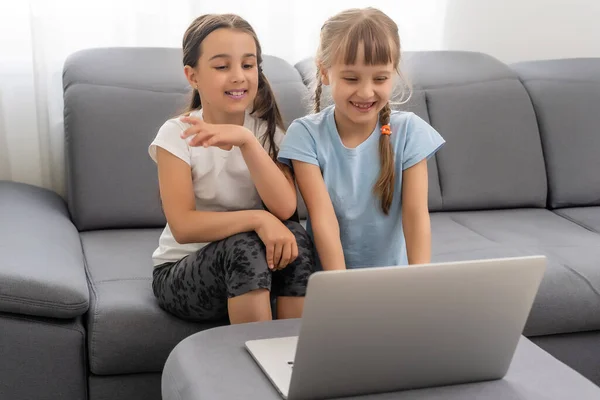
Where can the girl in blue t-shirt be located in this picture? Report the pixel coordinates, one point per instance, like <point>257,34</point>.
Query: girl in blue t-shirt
<point>362,168</point>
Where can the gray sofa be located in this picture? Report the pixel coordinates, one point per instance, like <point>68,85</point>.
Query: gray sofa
<point>518,175</point>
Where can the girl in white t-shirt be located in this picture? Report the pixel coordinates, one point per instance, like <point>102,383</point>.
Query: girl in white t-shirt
<point>221,253</point>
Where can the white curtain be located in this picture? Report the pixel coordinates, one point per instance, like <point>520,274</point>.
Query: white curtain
<point>36,36</point>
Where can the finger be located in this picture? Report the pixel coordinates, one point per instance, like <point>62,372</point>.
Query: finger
<point>294,251</point>
<point>192,130</point>
<point>191,120</point>
<point>277,254</point>
<point>214,140</point>
<point>200,139</point>
<point>270,251</point>
<point>286,255</point>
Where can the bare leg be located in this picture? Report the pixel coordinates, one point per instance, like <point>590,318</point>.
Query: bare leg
<point>289,307</point>
<point>253,306</point>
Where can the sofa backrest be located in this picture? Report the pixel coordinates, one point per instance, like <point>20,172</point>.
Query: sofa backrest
<point>115,100</point>
<point>566,97</point>
<point>493,157</point>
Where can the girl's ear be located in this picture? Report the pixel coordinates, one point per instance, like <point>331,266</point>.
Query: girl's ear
<point>324,75</point>
<point>191,76</point>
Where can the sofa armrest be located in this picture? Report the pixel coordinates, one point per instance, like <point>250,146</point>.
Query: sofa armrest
<point>42,270</point>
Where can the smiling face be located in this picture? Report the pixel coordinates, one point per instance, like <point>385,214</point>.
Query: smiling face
<point>358,57</point>
<point>226,74</point>
<point>359,90</point>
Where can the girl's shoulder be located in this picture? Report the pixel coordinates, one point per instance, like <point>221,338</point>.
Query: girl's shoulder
<point>407,122</point>
<point>398,117</point>
<point>316,122</point>
<point>175,125</point>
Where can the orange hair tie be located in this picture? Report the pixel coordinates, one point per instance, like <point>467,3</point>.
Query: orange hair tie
<point>386,130</point>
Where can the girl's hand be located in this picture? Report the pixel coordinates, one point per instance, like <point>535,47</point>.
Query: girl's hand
<point>224,136</point>
<point>279,241</point>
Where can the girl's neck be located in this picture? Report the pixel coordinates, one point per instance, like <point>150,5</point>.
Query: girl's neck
<point>352,134</point>
<point>215,117</point>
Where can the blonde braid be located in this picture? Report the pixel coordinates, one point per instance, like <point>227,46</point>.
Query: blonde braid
<point>384,188</point>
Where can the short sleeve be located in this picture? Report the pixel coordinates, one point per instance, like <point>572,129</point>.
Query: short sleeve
<point>298,144</point>
<point>168,137</point>
<point>422,142</point>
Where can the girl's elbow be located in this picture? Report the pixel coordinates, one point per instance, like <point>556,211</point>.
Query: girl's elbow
<point>179,234</point>
<point>286,212</point>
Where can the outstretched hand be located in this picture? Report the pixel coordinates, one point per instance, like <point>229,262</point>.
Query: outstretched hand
<point>224,136</point>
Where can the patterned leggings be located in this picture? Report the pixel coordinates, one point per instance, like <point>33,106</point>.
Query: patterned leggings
<point>197,286</point>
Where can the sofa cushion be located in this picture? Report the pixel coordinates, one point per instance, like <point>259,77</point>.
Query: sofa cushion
<point>127,331</point>
<point>113,110</point>
<point>572,279</point>
<point>566,97</point>
<point>493,155</point>
<point>41,265</point>
<point>587,217</point>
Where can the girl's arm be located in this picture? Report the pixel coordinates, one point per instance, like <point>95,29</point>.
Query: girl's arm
<point>191,226</point>
<point>324,223</point>
<point>187,224</point>
<point>274,184</point>
<point>415,213</point>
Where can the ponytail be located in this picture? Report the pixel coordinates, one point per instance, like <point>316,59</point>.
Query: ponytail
<point>266,109</point>
<point>195,103</point>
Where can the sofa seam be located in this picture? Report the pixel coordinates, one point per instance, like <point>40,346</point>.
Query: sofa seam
<point>437,164</point>
<point>564,264</point>
<point>92,286</point>
<point>50,304</point>
<point>543,147</point>
<point>458,85</point>
<point>123,280</point>
<point>173,91</point>
<point>586,81</point>
<point>23,317</point>
<point>583,225</point>
<point>452,218</point>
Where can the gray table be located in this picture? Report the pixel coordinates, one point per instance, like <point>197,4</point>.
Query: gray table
<point>214,364</point>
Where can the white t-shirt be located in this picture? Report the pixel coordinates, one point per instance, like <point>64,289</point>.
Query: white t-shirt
<point>221,178</point>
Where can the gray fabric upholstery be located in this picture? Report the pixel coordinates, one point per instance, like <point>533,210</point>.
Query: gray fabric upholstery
<point>127,331</point>
<point>125,387</point>
<point>588,217</point>
<point>578,350</point>
<point>112,112</point>
<point>493,156</point>
<point>566,97</point>
<point>572,279</point>
<point>41,260</point>
<point>432,69</point>
<point>41,359</point>
<point>196,367</point>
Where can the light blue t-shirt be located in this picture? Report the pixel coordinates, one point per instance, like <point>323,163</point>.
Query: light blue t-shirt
<point>369,237</point>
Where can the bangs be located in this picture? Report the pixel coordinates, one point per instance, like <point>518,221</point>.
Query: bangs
<point>377,45</point>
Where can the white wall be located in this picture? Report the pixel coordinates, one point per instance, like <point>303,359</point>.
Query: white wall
<point>521,30</point>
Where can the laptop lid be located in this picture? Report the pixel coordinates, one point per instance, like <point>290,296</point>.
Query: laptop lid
<point>377,330</point>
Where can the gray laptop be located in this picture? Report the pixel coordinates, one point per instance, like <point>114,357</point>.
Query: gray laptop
<point>386,329</point>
